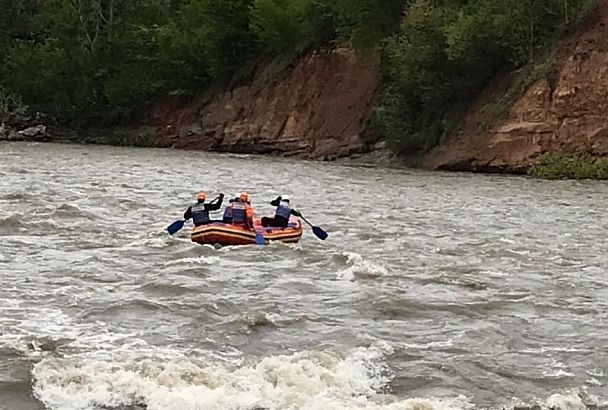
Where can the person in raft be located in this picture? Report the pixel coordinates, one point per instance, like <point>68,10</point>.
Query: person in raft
<point>281,214</point>
<point>199,212</point>
<point>227,217</point>
<point>240,211</point>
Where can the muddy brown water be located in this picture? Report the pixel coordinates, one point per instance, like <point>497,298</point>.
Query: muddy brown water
<point>434,290</point>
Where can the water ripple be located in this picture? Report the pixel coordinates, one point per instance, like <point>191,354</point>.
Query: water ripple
<point>434,290</point>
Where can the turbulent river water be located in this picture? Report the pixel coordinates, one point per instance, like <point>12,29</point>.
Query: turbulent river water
<point>433,291</point>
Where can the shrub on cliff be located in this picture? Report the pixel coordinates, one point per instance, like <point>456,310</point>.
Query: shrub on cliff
<point>581,165</point>
<point>363,24</point>
<point>291,26</point>
<point>418,71</point>
<point>445,53</point>
<point>207,40</point>
<point>10,104</point>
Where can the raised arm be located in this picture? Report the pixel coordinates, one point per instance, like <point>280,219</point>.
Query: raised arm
<point>276,201</point>
<point>188,213</point>
<point>215,204</point>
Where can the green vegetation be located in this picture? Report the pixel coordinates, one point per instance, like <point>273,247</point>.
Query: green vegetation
<point>446,51</point>
<point>101,61</point>
<point>10,104</point>
<point>578,166</point>
<point>523,78</point>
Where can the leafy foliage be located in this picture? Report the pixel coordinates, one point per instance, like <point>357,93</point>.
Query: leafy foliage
<point>288,26</point>
<point>446,51</point>
<point>577,166</point>
<point>365,23</point>
<point>103,60</point>
<point>10,104</point>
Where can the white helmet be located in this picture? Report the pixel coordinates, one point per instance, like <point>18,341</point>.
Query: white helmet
<point>285,198</point>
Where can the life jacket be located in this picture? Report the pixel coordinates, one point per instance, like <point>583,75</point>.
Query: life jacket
<point>283,210</point>
<point>227,213</point>
<point>200,215</point>
<point>239,212</point>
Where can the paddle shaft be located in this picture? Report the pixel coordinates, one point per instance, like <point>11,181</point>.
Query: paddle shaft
<point>319,232</point>
<point>305,220</point>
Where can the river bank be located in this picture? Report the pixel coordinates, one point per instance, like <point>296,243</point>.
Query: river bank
<point>315,107</point>
<point>26,128</point>
<point>549,119</point>
<point>580,165</point>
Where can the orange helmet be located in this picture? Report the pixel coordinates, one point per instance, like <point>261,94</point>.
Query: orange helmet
<point>244,196</point>
<point>201,196</point>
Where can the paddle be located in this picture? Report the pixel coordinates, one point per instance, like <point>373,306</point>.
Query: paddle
<point>319,232</point>
<point>259,238</point>
<point>175,227</point>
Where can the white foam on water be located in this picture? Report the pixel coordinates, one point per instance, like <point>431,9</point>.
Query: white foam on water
<point>558,370</point>
<point>359,265</point>
<point>32,324</point>
<point>315,380</point>
<point>201,260</point>
<point>557,374</point>
<point>152,241</point>
<point>595,372</point>
<point>20,332</point>
<point>443,344</point>
<point>572,399</point>
<point>565,402</point>
<point>544,349</point>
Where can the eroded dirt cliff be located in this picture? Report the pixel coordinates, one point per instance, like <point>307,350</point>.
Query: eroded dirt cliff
<point>318,109</point>
<point>566,112</point>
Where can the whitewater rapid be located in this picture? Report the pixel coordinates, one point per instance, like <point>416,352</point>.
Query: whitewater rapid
<point>434,290</point>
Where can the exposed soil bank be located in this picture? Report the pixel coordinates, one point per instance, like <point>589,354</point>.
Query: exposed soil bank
<point>566,112</point>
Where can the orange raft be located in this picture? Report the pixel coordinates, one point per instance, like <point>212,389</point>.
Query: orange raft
<point>227,234</point>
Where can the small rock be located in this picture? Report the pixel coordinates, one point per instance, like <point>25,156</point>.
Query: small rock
<point>33,131</point>
<point>33,345</point>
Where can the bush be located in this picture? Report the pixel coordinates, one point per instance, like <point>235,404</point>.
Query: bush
<point>418,76</point>
<point>578,166</point>
<point>10,104</point>
<point>291,26</point>
<point>363,24</point>
<point>447,51</point>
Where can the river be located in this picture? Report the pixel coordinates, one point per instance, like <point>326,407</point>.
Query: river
<point>433,291</point>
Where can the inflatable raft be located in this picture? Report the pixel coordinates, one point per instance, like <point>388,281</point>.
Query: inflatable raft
<point>227,234</point>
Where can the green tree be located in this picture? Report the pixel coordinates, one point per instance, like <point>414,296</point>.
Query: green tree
<point>365,23</point>
<point>292,26</point>
<point>446,51</point>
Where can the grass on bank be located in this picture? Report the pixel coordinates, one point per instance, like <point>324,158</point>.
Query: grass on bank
<point>581,165</point>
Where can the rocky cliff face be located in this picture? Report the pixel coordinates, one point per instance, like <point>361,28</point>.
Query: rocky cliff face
<point>316,109</point>
<point>568,113</point>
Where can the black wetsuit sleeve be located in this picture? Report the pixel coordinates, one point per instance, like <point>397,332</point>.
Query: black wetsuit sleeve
<point>188,213</point>
<point>275,202</point>
<point>295,213</point>
<point>214,206</point>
